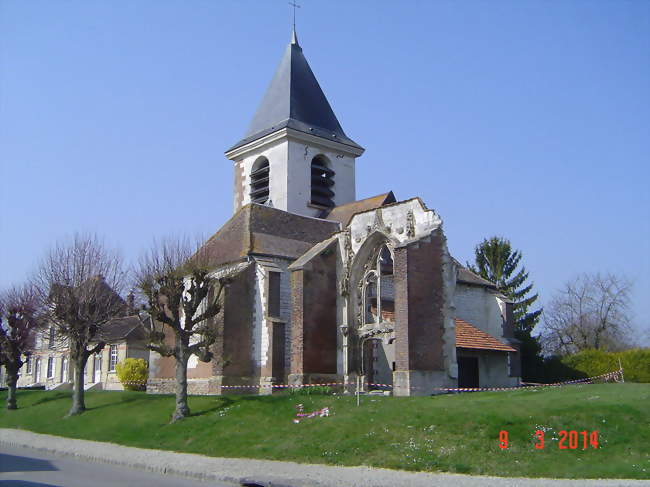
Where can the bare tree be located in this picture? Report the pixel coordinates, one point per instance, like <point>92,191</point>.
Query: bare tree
<point>590,311</point>
<point>182,298</point>
<point>80,283</point>
<point>18,325</point>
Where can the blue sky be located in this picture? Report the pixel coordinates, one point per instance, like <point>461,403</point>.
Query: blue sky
<point>529,120</point>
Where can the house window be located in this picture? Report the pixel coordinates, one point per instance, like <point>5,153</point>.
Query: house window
<point>64,369</point>
<point>51,337</point>
<point>112,361</point>
<point>37,370</point>
<point>260,181</point>
<point>28,364</point>
<point>322,181</point>
<point>50,367</point>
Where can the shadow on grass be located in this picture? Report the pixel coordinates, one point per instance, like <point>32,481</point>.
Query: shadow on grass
<point>271,399</point>
<point>52,397</point>
<point>126,400</point>
<point>224,402</point>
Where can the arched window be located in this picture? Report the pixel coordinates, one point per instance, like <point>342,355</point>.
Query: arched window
<point>378,290</point>
<point>260,181</point>
<point>322,181</point>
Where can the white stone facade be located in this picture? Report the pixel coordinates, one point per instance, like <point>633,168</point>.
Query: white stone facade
<point>397,225</point>
<point>290,154</point>
<point>479,306</point>
<point>261,322</point>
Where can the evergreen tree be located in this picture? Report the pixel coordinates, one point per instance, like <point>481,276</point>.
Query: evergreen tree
<point>496,261</point>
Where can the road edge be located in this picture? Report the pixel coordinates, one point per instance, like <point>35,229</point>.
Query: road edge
<point>274,473</point>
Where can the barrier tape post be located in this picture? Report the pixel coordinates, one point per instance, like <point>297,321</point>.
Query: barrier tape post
<point>358,391</point>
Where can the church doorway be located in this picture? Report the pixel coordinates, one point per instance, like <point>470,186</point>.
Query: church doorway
<point>468,372</point>
<point>278,348</point>
<point>379,363</point>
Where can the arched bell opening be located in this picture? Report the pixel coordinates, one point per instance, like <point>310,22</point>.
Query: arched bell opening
<point>260,178</point>
<point>322,182</point>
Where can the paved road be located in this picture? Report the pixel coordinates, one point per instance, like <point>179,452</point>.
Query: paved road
<point>100,469</point>
<point>23,467</point>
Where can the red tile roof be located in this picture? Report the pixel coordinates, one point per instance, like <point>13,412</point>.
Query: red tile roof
<point>468,336</point>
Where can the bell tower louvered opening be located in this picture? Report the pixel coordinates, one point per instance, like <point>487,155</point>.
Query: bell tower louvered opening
<point>260,181</point>
<point>322,182</point>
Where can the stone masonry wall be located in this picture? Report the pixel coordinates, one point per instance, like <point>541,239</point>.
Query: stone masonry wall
<point>314,326</point>
<point>237,327</point>
<point>239,186</point>
<point>479,307</point>
<point>419,305</point>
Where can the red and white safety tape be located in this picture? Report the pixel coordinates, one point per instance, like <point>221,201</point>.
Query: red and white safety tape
<point>608,375</point>
<point>615,374</point>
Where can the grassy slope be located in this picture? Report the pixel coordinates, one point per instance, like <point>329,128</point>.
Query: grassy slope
<point>455,433</point>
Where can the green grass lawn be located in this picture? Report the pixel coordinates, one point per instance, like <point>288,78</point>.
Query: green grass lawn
<point>455,433</point>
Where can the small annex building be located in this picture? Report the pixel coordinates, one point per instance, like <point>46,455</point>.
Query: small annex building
<point>328,288</point>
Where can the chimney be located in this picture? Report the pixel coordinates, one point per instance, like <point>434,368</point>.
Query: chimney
<point>130,304</point>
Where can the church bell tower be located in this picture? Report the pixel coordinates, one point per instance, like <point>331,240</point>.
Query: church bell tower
<point>295,155</point>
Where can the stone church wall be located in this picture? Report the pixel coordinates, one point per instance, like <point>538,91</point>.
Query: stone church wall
<point>237,333</point>
<point>285,313</point>
<point>424,281</point>
<point>232,362</point>
<point>263,324</point>
<point>480,307</point>
<point>314,319</point>
<point>493,370</point>
<point>260,345</point>
<point>299,160</point>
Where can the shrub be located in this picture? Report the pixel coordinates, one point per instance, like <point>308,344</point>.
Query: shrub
<point>635,362</point>
<point>133,373</point>
<point>592,362</point>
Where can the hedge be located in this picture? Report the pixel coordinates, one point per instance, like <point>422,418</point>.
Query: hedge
<point>635,362</point>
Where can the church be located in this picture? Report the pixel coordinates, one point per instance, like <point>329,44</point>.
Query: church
<point>325,288</point>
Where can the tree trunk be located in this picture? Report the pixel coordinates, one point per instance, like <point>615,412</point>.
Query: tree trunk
<point>182,409</point>
<point>78,401</point>
<point>12,380</point>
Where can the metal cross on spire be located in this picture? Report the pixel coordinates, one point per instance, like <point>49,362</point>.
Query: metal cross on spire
<point>295,6</point>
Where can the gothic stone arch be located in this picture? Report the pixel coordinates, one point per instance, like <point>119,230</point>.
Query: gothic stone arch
<point>371,334</point>
<point>420,310</point>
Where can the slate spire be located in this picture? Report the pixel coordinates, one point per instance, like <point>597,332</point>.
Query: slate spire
<point>294,99</point>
